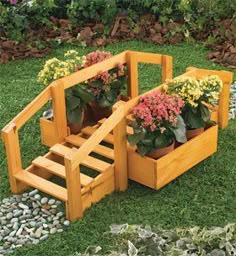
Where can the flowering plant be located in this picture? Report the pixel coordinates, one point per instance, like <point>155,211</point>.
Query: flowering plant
<point>195,93</point>
<point>106,85</point>
<point>76,97</point>
<point>157,122</point>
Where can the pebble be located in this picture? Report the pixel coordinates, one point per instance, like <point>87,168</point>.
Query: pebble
<point>28,219</point>
<point>44,200</point>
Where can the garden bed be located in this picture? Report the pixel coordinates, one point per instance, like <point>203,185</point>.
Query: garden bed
<point>157,173</point>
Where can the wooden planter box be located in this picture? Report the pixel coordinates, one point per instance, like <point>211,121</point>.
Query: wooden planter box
<point>157,173</point>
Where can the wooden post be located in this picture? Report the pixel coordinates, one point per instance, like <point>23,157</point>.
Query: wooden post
<point>74,204</point>
<point>59,109</point>
<point>167,68</point>
<point>132,64</point>
<point>223,110</point>
<point>120,152</point>
<point>11,140</point>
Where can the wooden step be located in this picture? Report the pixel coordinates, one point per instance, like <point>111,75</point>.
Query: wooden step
<point>90,162</point>
<point>58,169</point>
<point>89,130</point>
<point>42,184</point>
<point>99,149</point>
<point>129,129</point>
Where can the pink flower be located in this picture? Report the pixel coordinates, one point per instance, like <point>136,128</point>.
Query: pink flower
<point>155,109</point>
<point>13,2</point>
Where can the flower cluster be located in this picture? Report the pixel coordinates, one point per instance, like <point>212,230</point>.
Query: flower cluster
<point>156,110</point>
<point>211,87</point>
<point>107,76</point>
<point>192,91</point>
<point>55,68</point>
<point>187,88</point>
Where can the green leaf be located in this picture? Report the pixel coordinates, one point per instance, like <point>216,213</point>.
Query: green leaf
<point>74,116</point>
<point>180,130</point>
<point>83,94</point>
<point>72,102</point>
<point>193,120</point>
<point>143,150</point>
<point>103,102</point>
<point>135,138</point>
<point>161,141</point>
<point>205,112</point>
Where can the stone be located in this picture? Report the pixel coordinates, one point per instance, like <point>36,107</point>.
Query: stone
<point>37,197</point>
<point>66,223</point>
<point>23,206</point>
<point>51,201</point>
<point>9,215</point>
<point>17,213</point>
<point>38,232</point>
<point>53,231</point>
<point>45,237</point>
<point>19,231</point>
<point>44,200</point>
<point>35,205</point>
<point>33,192</point>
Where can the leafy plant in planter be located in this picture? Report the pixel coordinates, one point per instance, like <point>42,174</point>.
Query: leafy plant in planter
<point>195,93</point>
<point>157,124</point>
<point>106,86</point>
<point>76,97</point>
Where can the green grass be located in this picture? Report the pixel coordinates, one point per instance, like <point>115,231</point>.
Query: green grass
<point>204,196</point>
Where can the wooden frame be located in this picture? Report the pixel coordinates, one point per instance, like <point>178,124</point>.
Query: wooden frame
<point>68,152</point>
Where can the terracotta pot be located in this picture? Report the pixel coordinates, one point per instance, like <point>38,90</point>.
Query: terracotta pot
<point>123,97</point>
<point>76,128</point>
<point>158,153</point>
<point>194,132</point>
<point>98,111</point>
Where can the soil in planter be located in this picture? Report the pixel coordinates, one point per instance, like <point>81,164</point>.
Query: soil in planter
<point>194,132</point>
<point>158,153</point>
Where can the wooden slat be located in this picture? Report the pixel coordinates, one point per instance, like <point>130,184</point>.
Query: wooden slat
<point>99,149</point>
<point>89,72</point>
<point>129,129</point>
<point>89,130</point>
<point>167,68</point>
<point>89,161</point>
<point>42,184</point>
<point>58,169</point>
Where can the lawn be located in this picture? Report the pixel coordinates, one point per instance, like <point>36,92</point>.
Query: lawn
<point>204,196</point>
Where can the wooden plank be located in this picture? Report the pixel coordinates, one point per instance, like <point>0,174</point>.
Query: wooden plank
<point>59,109</point>
<point>11,140</point>
<point>89,72</point>
<point>74,204</point>
<point>132,64</point>
<point>96,138</point>
<point>147,57</point>
<point>167,68</point>
<point>99,149</point>
<point>186,156</point>
<point>89,161</point>
<point>141,169</point>
<point>89,130</point>
<point>31,109</point>
<point>129,129</point>
<point>120,153</point>
<point>42,184</point>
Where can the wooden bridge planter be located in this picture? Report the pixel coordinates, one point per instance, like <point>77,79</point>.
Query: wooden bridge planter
<point>68,154</point>
<point>157,173</point>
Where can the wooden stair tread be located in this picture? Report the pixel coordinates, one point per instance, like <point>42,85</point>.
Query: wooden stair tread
<point>129,129</point>
<point>99,149</point>
<point>42,184</point>
<point>58,169</point>
<point>90,162</point>
<point>89,130</point>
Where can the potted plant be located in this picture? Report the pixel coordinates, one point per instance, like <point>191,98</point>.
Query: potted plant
<point>106,86</point>
<point>196,94</point>
<point>157,124</point>
<point>76,97</point>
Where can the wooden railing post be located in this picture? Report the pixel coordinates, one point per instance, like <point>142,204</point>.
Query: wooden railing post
<point>167,68</point>
<point>59,109</point>
<point>223,110</point>
<point>74,204</point>
<point>11,140</point>
<point>133,84</point>
<point>120,152</point>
